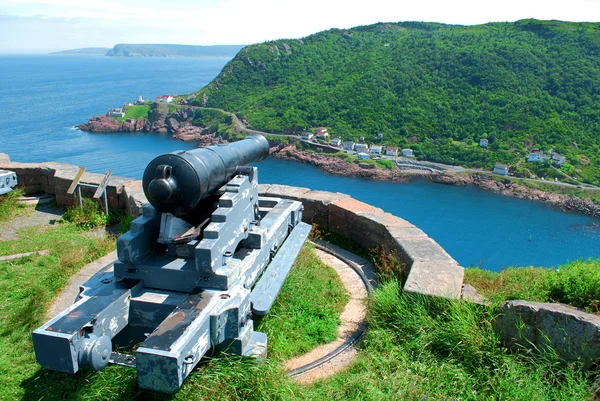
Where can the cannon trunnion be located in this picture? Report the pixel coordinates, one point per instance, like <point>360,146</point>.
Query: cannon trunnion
<point>205,256</point>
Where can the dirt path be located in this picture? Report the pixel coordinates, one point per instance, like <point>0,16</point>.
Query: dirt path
<point>350,320</point>
<point>43,215</point>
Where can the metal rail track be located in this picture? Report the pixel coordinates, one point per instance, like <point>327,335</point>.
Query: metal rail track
<point>354,338</point>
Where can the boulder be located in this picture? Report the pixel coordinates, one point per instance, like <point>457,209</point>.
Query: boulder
<point>572,333</point>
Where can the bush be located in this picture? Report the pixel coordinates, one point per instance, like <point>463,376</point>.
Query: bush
<point>89,216</point>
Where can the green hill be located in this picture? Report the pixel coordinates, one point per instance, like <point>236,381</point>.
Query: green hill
<point>522,85</point>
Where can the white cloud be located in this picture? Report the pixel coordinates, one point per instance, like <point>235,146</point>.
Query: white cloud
<point>244,21</point>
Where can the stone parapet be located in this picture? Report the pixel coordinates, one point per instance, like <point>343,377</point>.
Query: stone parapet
<point>56,178</point>
<point>428,268</point>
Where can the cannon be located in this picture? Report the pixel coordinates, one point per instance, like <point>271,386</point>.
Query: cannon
<point>206,256</point>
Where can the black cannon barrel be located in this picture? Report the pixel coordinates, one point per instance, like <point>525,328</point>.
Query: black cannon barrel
<point>176,182</point>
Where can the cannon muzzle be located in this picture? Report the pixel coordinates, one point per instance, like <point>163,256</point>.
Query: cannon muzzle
<point>176,182</point>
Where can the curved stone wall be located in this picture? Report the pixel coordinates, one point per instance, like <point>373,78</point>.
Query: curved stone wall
<point>429,269</point>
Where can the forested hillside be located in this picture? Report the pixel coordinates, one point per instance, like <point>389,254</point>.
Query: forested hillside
<point>432,87</point>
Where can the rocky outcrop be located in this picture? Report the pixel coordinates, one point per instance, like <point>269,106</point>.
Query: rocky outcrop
<point>160,120</point>
<point>564,202</point>
<point>338,166</point>
<point>573,334</point>
<point>450,178</point>
<point>105,123</point>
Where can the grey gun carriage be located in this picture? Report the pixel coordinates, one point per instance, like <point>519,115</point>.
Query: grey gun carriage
<point>205,256</point>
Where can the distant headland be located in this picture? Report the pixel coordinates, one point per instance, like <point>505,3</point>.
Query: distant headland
<point>159,50</point>
<point>85,50</point>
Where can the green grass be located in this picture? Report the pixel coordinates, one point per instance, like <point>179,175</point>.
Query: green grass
<point>135,112</point>
<point>28,285</point>
<point>306,312</point>
<point>576,283</point>
<point>305,315</point>
<point>421,348</point>
<point>417,348</point>
<point>10,208</point>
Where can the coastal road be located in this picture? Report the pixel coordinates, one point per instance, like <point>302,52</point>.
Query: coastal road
<point>240,126</point>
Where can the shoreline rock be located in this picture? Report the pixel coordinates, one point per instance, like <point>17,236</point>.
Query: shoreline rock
<point>337,166</point>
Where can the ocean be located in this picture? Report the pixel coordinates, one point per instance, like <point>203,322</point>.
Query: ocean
<point>45,96</point>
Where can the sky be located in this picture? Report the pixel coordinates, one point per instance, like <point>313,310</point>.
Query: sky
<point>39,26</point>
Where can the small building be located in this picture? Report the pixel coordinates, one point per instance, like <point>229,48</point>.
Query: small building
<point>362,155</point>
<point>117,112</point>
<point>483,142</point>
<point>349,145</point>
<point>140,99</point>
<point>128,104</point>
<point>336,142</point>
<point>306,135</point>
<point>322,135</point>
<point>362,147</point>
<point>537,156</point>
<point>558,160</point>
<point>376,150</point>
<point>500,169</point>
<point>322,130</point>
<point>165,99</point>
<point>391,151</point>
<point>407,153</point>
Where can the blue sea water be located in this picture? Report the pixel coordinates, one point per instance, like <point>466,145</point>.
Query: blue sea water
<point>45,96</point>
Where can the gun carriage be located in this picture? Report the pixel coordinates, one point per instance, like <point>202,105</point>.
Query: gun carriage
<point>206,255</point>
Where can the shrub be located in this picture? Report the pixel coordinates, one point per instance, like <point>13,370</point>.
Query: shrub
<point>89,216</point>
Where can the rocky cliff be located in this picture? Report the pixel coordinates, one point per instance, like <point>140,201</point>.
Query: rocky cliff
<point>160,120</point>
<point>338,166</point>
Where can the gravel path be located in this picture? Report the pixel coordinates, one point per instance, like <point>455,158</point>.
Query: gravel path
<point>42,216</point>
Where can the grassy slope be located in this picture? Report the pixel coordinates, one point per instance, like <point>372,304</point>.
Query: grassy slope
<point>417,348</point>
<point>576,283</point>
<point>524,84</point>
<point>299,320</point>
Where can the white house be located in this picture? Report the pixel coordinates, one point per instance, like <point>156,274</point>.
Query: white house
<point>336,142</point>
<point>322,135</point>
<point>306,135</point>
<point>376,150</point>
<point>362,147</point>
<point>118,112</point>
<point>407,153</point>
<point>391,151</point>
<point>349,145</point>
<point>500,169</point>
<point>483,143</point>
<point>165,99</point>
<point>363,155</point>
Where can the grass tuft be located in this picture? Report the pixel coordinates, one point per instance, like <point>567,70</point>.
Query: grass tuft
<point>11,208</point>
<point>576,283</point>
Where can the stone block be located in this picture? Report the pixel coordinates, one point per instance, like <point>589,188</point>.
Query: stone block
<point>441,279</point>
<point>285,191</point>
<point>135,198</point>
<point>469,293</point>
<point>572,333</point>
<point>422,249</point>
<point>353,219</point>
